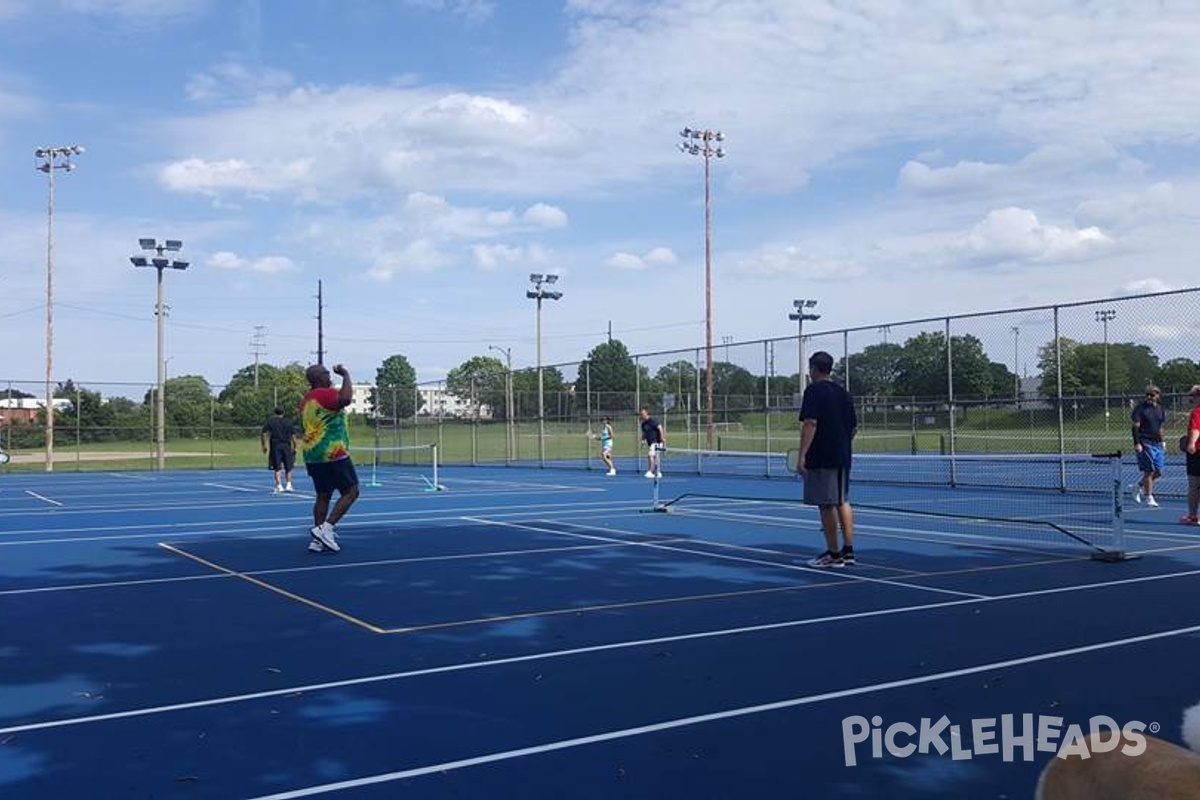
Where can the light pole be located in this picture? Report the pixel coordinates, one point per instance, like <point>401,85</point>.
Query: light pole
<point>539,294</point>
<point>799,316</point>
<point>508,397</point>
<point>1104,316</point>
<point>160,262</point>
<point>700,143</point>
<point>51,159</point>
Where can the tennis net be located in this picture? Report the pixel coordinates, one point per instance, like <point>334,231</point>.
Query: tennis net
<point>1072,500</point>
<point>416,464</point>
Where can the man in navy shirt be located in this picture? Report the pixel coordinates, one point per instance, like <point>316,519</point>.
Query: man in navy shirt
<point>656,441</point>
<point>828,424</point>
<point>1148,420</point>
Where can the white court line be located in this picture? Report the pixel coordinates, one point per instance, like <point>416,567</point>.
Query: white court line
<point>723,557</point>
<point>42,498</point>
<point>409,517</point>
<point>229,487</point>
<point>576,651</point>
<point>717,716</point>
<point>133,476</point>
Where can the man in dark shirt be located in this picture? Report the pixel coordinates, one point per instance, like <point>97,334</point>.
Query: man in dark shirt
<point>828,424</point>
<point>656,441</point>
<point>1148,420</point>
<point>279,440</point>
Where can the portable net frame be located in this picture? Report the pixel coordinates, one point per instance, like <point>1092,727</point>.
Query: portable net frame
<point>1052,501</point>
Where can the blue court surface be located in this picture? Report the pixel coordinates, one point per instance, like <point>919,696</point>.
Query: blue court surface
<point>534,633</point>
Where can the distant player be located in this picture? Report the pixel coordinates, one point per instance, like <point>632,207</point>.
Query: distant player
<point>1148,419</point>
<point>656,441</point>
<point>279,442</point>
<point>606,445</point>
<point>327,452</point>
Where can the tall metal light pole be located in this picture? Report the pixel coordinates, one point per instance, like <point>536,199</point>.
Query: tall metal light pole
<point>508,398</point>
<point>799,316</point>
<point>700,143</point>
<point>49,160</point>
<point>160,262</point>
<point>539,294</point>
<point>1104,316</point>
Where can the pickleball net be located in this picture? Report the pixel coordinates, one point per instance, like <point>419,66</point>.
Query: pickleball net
<point>1051,502</point>
<point>416,464</point>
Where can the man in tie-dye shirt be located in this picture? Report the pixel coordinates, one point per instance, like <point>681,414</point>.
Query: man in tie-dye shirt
<point>327,452</point>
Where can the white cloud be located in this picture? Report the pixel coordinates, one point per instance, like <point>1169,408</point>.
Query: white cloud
<point>657,257</point>
<point>212,177</point>
<point>545,216</point>
<point>418,256</point>
<point>963,176</point>
<point>471,10</point>
<point>1147,286</point>
<point>230,78</point>
<point>1016,234</point>
<point>1122,209</point>
<point>270,265</point>
<point>489,257</point>
<point>794,262</point>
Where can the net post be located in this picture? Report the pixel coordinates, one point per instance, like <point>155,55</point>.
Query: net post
<point>375,467</point>
<point>1117,552</point>
<point>436,486</point>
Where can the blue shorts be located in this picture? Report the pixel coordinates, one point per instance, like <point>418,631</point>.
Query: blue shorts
<point>328,476</point>
<point>1153,458</point>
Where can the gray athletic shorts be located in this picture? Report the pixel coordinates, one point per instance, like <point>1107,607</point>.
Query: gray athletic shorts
<point>826,487</point>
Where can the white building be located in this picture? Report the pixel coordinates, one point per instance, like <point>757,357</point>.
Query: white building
<point>435,402</point>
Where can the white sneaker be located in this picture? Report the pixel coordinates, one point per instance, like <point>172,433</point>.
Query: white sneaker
<point>658,474</point>
<point>288,488</point>
<point>611,472</point>
<point>324,534</point>
<point>1150,501</point>
<point>1137,495</point>
<point>277,490</point>
<point>649,474</point>
<point>316,547</point>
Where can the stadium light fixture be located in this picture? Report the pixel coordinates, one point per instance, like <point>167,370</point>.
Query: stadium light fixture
<point>539,294</point>
<point>160,262</point>
<point>799,316</point>
<point>706,150</point>
<point>52,159</point>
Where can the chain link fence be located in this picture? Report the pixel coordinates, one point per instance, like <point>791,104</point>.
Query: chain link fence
<point>1054,379</point>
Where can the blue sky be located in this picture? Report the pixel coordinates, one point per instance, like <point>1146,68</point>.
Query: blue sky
<point>422,157</point>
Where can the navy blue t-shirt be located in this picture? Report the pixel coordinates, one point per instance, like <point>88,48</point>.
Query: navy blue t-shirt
<point>1148,418</point>
<point>833,409</point>
<point>650,432</point>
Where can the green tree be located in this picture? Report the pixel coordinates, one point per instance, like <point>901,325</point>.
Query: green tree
<point>1178,375</point>
<point>875,371</point>
<point>610,375</point>
<point>730,381</point>
<point>188,404</point>
<point>1048,368</point>
<point>525,390</point>
<point>246,406</point>
<point>395,393</point>
<point>482,378</point>
<point>922,368</point>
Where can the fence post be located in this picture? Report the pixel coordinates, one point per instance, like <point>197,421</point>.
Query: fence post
<point>1058,403</point>
<point>950,402</point>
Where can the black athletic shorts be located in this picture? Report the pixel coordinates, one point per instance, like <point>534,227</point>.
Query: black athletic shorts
<point>282,457</point>
<point>330,476</point>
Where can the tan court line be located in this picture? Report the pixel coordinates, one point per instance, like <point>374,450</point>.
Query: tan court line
<point>264,585</point>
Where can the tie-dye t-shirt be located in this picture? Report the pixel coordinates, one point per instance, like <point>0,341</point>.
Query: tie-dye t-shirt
<point>325,434</point>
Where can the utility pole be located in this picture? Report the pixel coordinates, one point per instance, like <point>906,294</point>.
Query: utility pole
<point>258,346</point>
<point>320,325</point>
